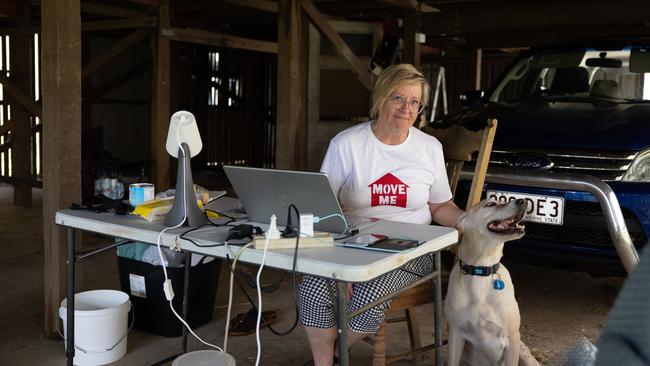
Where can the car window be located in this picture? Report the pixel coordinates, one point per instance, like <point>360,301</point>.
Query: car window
<point>581,75</point>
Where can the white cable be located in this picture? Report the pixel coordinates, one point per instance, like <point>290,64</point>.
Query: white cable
<point>232,276</point>
<point>162,259</point>
<point>259,302</point>
<point>319,219</point>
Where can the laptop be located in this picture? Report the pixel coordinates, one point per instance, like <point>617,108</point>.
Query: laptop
<point>264,192</point>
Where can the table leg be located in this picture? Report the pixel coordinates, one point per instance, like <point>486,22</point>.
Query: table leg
<point>436,310</point>
<point>342,320</point>
<point>69,350</point>
<point>186,290</point>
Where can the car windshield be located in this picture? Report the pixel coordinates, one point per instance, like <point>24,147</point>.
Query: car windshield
<point>579,75</point>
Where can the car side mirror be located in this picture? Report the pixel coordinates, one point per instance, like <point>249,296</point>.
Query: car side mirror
<point>471,97</point>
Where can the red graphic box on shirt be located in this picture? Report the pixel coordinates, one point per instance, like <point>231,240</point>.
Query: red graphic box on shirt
<point>388,191</point>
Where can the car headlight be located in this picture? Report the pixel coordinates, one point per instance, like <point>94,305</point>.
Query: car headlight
<point>639,171</point>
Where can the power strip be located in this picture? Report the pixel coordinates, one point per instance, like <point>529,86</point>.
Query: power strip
<point>319,239</point>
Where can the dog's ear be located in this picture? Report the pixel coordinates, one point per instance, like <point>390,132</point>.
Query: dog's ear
<point>461,222</point>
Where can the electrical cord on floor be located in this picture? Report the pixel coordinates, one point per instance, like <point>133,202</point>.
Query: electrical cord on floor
<point>232,276</point>
<point>293,284</point>
<point>259,296</point>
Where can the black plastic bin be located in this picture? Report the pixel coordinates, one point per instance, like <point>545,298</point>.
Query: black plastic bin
<point>152,313</point>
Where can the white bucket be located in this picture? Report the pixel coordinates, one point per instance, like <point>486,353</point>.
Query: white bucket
<point>100,326</point>
<point>204,358</point>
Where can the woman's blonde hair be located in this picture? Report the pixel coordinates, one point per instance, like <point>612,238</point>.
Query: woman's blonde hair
<point>392,78</point>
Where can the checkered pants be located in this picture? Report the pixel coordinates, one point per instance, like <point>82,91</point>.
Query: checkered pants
<point>318,297</point>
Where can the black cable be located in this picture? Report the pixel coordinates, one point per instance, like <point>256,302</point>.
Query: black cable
<point>232,218</point>
<point>182,236</point>
<point>252,283</point>
<point>293,283</point>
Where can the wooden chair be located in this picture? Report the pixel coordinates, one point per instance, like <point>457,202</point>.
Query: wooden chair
<point>458,144</point>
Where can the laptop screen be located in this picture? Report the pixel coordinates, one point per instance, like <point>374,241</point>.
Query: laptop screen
<point>264,192</point>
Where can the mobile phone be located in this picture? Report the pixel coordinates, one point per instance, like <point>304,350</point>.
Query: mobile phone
<point>363,240</point>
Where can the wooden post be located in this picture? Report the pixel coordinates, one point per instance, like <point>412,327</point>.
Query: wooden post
<point>290,103</point>
<point>21,73</point>
<point>61,70</point>
<point>412,48</point>
<point>482,162</point>
<point>478,67</point>
<point>160,101</point>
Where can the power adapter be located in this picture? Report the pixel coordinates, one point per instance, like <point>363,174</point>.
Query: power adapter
<point>241,231</point>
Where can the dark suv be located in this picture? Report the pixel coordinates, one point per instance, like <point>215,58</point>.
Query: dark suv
<point>571,109</point>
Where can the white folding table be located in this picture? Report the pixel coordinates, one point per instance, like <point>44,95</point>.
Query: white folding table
<point>342,264</point>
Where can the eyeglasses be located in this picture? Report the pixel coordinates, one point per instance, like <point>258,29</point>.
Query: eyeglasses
<point>414,105</point>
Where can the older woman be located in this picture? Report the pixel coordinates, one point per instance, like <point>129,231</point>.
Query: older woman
<point>360,162</point>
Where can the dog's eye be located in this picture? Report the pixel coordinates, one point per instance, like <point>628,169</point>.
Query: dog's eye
<point>490,204</point>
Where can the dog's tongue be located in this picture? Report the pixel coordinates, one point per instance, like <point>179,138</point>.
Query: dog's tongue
<point>500,225</point>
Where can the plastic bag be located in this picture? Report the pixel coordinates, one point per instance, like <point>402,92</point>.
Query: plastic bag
<point>172,258</point>
<point>582,353</point>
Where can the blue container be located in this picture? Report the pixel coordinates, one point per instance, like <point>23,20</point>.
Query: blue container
<point>140,192</point>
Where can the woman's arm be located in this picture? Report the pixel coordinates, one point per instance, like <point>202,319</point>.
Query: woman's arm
<point>445,213</point>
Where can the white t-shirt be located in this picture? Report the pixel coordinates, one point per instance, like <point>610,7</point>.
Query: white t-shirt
<point>391,182</point>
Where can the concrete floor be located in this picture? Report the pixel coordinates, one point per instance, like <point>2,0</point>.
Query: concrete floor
<point>557,307</point>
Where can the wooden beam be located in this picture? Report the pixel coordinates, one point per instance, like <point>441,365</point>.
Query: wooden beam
<point>413,5</point>
<point>482,162</point>
<point>412,48</point>
<point>147,2</point>
<point>193,35</point>
<point>5,128</point>
<point>61,84</point>
<point>100,25</point>
<point>160,111</point>
<point>112,11</point>
<point>478,67</point>
<point>314,148</point>
<point>21,96</point>
<point>13,31</point>
<point>22,61</point>
<point>289,116</point>
<point>323,26</point>
<point>7,144</point>
<point>263,5</point>
<point>115,50</point>
<point>350,27</point>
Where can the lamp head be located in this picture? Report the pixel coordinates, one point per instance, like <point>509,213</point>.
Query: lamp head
<point>183,129</point>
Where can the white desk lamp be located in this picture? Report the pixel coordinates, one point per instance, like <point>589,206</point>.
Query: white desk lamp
<point>183,143</point>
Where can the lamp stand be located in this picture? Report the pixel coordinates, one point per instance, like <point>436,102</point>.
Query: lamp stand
<point>185,200</point>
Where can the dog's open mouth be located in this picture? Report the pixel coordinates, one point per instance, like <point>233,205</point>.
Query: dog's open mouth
<point>510,225</point>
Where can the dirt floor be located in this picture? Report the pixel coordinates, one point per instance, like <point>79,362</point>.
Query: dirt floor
<point>558,308</point>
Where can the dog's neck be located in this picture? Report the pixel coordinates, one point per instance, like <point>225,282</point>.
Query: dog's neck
<point>474,250</point>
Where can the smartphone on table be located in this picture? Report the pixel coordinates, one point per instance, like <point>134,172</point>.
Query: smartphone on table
<point>364,240</point>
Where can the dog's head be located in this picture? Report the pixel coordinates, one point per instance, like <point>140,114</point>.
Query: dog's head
<point>497,220</point>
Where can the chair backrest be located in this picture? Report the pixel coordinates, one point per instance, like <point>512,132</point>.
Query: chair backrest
<point>458,144</point>
<point>605,89</point>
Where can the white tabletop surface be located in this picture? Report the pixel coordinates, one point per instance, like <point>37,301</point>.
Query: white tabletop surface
<point>341,263</point>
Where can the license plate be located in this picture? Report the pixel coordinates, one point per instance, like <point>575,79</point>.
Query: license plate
<point>542,209</point>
